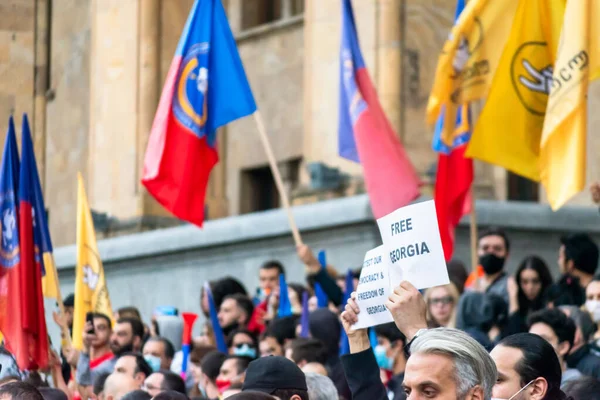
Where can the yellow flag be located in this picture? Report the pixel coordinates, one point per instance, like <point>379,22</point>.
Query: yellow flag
<point>563,153</point>
<point>49,281</point>
<point>91,293</point>
<point>509,129</point>
<point>469,59</point>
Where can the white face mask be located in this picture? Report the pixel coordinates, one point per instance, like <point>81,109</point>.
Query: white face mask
<point>514,395</point>
<point>593,307</point>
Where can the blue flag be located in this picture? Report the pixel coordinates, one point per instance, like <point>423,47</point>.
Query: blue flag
<point>304,318</point>
<point>9,182</point>
<point>344,344</point>
<point>373,338</point>
<point>322,299</point>
<point>285,306</point>
<point>322,258</point>
<point>462,126</point>
<point>214,320</point>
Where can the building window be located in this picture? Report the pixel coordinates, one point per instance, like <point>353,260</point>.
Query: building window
<point>260,12</point>
<point>258,189</point>
<point>522,189</point>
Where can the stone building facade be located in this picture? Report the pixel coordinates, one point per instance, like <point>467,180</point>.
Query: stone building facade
<point>89,73</point>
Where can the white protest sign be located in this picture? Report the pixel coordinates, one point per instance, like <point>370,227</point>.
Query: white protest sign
<point>413,247</point>
<point>373,290</point>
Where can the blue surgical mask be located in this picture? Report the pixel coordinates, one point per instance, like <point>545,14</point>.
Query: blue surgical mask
<point>383,360</point>
<point>245,350</point>
<point>153,361</point>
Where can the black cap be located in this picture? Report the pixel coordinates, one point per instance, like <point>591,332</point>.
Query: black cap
<point>268,374</point>
<point>69,301</point>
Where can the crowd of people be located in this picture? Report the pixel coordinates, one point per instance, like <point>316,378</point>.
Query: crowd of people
<point>485,335</point>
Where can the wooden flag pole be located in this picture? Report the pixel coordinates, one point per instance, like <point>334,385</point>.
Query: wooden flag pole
<point>61,309</point>
<point>474,258</point>
<point>277,176</point>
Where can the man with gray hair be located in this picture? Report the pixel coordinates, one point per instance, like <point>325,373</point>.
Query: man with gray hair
<point>445,364</point>
<point>320,387</point>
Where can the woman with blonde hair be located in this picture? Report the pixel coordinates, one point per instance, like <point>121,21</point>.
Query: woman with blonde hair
<point>441,305</point>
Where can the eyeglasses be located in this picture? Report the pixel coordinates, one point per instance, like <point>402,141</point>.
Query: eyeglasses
<point>442,300</point>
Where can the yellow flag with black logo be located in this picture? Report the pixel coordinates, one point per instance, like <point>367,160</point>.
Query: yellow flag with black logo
<point>563,147</point>
<point>91,293</point>
<point>469,59</point>
<point>509,129</point>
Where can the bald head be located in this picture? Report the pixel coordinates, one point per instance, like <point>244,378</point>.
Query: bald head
<point>118,385</point>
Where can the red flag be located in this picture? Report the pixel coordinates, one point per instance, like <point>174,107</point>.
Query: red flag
<point>366,135</point>
<point>452,194</point>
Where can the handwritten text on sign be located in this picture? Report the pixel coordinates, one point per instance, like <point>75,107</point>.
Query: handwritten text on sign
<point>373,290</point>
<point>413,246</point>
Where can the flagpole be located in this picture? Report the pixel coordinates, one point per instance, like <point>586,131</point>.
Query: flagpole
<point>61,308</point>
<point>277,176</point>
<point>473,214</point>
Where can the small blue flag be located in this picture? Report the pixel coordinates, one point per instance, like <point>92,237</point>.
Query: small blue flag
<point>322,299</point>
<point>214,319</point>
<point>304,318</point>
<point>322,259</point>
<point>9,183</point>
<point>285,306</point>
<point>373,338</point>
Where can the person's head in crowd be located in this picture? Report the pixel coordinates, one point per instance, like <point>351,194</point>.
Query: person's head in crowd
<point>270,346</point>
<point>533,278</point>
<point>118,385</point>
<point>49,393</point>
<point>159,353</point>
<point>558,330</point>
<point>69,306</point>
<point>170,395</point>
<point>234,389</point>
<point>211,367</point>
<point>315,368</point>
<point>34,378</point>
<point>303,351</point>
<point>220,289</point>
<point>279,332</point>
<point>242,342</point>
<point>578,256</point>
<point>389,351</point>
<point>441,305</point>
<point>584,326</point>
<point>480,315</point>
<point>268,276</point>
<point>19,391</point>
<point>528,367</point>
<point>592,300</point>
<point>232,371</point>
<point>320,387</point>
<point>447,363</point>
<point>583,388</point>
<point>137,395</point>
<point>98,384</point>
<point>278,377</point>
<point>127,336</point>
<point>458,274</point>
<point>196,356</point>
<point>235,312</point>
<point>102,331</point>
<point>129,312</point>
<point>163,380</point>
<point>295,291</point>
<point>134,365</point>
<point>493,249</point>
<point>567,291</point>
<point>325,326</point>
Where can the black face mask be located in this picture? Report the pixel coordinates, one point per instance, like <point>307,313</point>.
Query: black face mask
<point>491,263</point>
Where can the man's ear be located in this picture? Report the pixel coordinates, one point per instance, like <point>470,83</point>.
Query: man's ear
<point>476,393</point>
<point>538,389</point>
<point>137,342</point>
<point>569,266</point>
